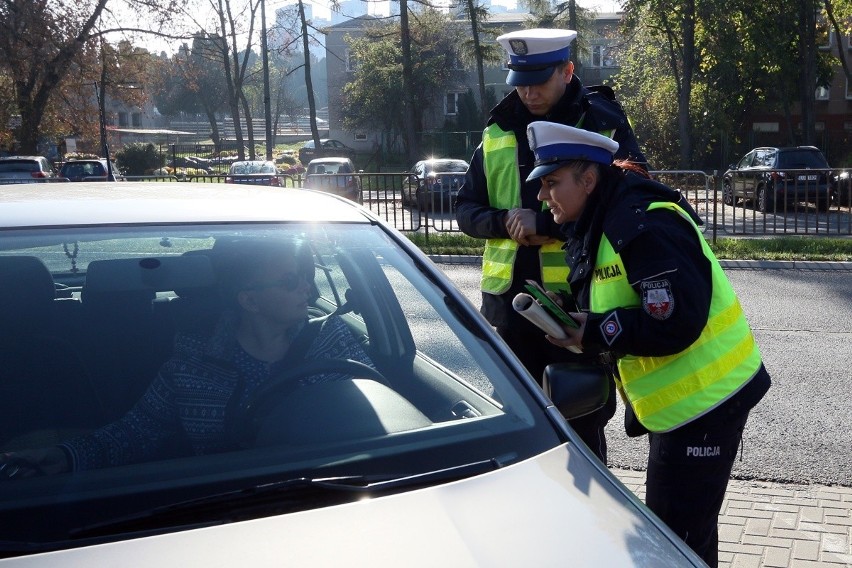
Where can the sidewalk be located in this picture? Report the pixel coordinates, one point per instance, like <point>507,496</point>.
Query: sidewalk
<point>777,525</point>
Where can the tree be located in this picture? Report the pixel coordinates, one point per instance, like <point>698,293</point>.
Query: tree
<point>194,82</point>
<point>235,24</point>
<point>44,44</point>
<point>378,98</point>
<point>480,48</point>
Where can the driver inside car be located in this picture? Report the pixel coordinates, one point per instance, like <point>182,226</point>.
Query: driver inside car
<point>201,392</point>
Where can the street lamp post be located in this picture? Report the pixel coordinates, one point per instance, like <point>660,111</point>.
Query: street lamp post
<point>267,110</point>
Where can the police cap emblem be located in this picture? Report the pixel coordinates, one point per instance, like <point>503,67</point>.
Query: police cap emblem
<point>519,46</point>
<point>531,139</point>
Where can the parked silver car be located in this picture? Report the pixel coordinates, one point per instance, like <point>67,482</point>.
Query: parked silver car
<point>333,175</point>
<point>440,450</point>
<point>25,169</point>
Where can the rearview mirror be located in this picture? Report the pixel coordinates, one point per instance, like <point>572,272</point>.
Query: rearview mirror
<point>576,389</point>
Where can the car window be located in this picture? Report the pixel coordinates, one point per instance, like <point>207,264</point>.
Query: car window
<point>19,166</point>
<point>803,158</point>
<point>746,161</point>
<point>763,157</point>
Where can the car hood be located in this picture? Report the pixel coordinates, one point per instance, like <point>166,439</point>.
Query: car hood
<point>552,510</point>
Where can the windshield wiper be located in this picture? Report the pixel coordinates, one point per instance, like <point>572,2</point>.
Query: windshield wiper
<point>275,498</point>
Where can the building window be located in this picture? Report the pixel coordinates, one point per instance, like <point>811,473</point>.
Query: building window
<point>848,90</point>
<point>826,41</point>
<point>821,93</point>
<point>136,117</point>
<point>451,104</point>
<point>360,136</point>
<point>122,120</point>
<point>351,61</point>
<point>597,55</point>
<point>765,127</point>
<point>603,56</point>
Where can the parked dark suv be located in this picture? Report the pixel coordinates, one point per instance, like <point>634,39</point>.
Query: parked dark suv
<point>773,177</point>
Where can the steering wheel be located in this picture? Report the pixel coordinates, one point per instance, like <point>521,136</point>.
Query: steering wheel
<point>263,402</point>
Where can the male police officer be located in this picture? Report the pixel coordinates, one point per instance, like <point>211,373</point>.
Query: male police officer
<point>496,203</point>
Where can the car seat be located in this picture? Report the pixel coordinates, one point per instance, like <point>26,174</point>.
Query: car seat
<point>46,393</point>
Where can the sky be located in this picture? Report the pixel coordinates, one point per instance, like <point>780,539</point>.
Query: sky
<point>321,10</point>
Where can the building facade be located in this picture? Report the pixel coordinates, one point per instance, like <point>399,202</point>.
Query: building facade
<point>594,65</point>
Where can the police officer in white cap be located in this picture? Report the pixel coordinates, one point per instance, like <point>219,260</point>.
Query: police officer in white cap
<point>654,302</point>
<point>498,204</point>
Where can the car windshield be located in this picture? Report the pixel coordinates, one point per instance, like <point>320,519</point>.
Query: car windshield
<point>793,159</point>
<point>253,168</point>
<point>446,166</point>
<point>120,347</point>
<point>330,168</point>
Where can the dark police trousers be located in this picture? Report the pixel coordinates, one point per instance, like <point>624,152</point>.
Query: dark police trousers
<point>536,352</point>
<point>688,472</point>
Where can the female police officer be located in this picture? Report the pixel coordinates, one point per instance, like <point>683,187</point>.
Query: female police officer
<point>654,300</point>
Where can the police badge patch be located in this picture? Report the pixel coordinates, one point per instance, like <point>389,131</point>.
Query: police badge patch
<point>657,299</point>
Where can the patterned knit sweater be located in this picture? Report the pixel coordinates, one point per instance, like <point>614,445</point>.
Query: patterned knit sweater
<point>192,404</point>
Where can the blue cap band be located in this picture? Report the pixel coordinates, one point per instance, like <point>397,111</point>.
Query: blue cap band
<point>562,152</point>
<point>549,58</point>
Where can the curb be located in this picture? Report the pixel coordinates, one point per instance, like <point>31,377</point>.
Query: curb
<point>726,264</point>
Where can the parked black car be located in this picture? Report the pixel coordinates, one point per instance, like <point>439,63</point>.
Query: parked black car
<point>770,177</point>
<point>94,169</point>
<point>328,148</point>
<point>254,172</point>
<point>434,183</point>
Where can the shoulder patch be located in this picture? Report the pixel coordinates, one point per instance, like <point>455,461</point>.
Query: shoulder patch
<point>657,299</point>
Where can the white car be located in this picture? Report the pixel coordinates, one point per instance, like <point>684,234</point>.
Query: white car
<point>447,453</point>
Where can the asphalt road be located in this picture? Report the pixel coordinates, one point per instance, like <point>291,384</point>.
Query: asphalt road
<point>801,431</point>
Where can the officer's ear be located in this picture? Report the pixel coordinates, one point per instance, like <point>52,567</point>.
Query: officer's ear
<point>568,71</point>
<point>589,179</point>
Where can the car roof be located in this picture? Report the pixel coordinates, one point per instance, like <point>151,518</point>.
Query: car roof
<point>101,203</point>
<point>8,158</point>
<point>786,148</point>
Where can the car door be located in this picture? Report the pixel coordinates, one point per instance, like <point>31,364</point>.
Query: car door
<point>764,160</point>
<point>739,179</point>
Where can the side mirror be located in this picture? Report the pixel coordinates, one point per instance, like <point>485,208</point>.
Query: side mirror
<point>576,389</point>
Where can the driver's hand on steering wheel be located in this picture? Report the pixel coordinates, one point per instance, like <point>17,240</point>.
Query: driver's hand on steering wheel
<point>33,463</point>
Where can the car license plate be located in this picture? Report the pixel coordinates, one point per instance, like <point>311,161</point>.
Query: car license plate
<point>808,178</point>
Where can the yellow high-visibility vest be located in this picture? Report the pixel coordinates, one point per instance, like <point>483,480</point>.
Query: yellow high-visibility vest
<point>667,392</point>
<point>500,160</point>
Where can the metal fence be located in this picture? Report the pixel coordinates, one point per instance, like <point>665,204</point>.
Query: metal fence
<point>388,196</point>
<point>383,194</point>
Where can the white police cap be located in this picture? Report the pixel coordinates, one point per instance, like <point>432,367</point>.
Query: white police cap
<point>555,144</point>
<point>534,54</point>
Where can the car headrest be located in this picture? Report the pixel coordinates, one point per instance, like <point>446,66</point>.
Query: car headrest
<point>26,288</point>
<point>148,275</point>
